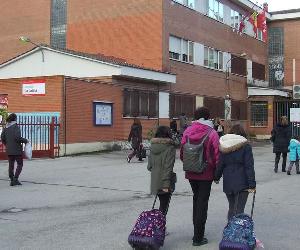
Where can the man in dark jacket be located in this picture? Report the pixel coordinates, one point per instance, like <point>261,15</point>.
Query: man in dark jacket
<point>281,136</point>
<point>11,138</point>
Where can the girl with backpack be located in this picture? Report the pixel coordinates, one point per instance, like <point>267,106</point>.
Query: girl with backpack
<point>236,165</point>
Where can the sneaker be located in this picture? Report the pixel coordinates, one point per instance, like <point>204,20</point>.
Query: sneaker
<point>200,243</point>
<point>128,159</point>
<point>288,173</point>
<point>16,182</point>
<point>12,183</point>
<point>275,170</point>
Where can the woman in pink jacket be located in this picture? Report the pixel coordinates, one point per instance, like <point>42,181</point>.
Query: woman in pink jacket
<point>201,183</point>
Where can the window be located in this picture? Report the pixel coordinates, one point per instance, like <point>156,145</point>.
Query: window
<point>216,10</point>
<point>216,106</point>
<point>182,104</point>
<point>58,23</point>
<point>259,34</point>
<point>238,65</point>
<point>138,103</point>
<point>213,58</point>
<point>238,110</point>
<point>258,71</point>
<point>181,49</point>
<point>236,19</point>
<point>259,114</point>
<point>188,3</point>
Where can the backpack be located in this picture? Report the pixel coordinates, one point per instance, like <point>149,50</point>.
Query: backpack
<point>239,232</point>
<point>193,156</point>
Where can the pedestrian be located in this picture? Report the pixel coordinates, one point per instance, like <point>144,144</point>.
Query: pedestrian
<point>11,138</point>
<point>161,163</point>
<point>135,137</point>
<point>201,182</point>
<point>236,165</point>
<point>294,155</point>
<point>218,126</point>
<point>182,123</point>
<point>281,136</point>
<point>173,126</point>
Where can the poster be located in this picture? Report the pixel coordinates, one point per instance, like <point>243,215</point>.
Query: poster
<point>102,114</point>
<point>294,114</point>
<point>34,88</point>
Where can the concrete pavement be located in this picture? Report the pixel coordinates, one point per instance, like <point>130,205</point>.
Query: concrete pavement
<point>92,202</point>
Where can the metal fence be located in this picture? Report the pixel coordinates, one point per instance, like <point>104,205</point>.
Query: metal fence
<point>43,134</point>
<point>282,108</point>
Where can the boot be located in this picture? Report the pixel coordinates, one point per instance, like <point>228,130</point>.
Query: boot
<point>276,169</point>
<point>288,172</point>
<point>298,172</point>
<point>16,182</point>
<point>11,181</point>
<point>283,170</point>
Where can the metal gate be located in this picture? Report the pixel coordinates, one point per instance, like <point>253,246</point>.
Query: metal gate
<point>43,134</point>
<point>282,108</point>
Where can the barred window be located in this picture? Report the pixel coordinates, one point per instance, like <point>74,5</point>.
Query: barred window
<point>238,65</point>
<point>182,104</point>
<point>258,71</point>
<point>259,114</point>
<point>216,106</point>
<point>58,23</point>
<point>238,110</point>
<point>138,103</point>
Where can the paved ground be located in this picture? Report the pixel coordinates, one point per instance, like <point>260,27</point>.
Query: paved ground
<point>92,201</point>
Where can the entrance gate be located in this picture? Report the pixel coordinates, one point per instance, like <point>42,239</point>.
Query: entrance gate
<point>43,134</point>
<point>282,108</point>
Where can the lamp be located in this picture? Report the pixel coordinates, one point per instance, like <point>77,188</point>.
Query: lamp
<point>227,101</point>
<point>25,39</point>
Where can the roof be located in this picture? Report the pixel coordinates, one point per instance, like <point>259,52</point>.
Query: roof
<point>285,14</point>
<point>56,61</point>
<point>285,11</point>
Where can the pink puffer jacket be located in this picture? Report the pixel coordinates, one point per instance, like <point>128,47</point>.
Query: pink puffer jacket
<point>195,133</point>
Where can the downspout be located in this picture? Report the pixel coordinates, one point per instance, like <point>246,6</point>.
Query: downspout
<point>65,116</point>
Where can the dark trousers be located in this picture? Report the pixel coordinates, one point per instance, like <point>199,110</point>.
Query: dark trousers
<point>292,164</point>
<point>237,203</point>
<point>201,193</point>
<point>11,165</point>
<point>164,200</point>
<point>136,151</point>
<point>277,158</point>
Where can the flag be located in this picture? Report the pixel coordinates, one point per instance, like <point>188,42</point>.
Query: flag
<point>242,25</point>
<point>253,21</point>
<point>262,24</point>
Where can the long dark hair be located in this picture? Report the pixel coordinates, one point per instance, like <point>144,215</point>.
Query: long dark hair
<point>163,132</point>
<point>136,121</point>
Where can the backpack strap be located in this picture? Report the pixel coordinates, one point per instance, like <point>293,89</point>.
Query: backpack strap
<point>203,140</point>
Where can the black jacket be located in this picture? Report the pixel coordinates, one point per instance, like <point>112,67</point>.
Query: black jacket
<point>281,136</point>
<point>236,164</point>
<point>11,138</point>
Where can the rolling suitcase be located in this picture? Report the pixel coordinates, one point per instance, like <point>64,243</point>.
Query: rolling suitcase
<point>238,234</point>
<point>149,230</point>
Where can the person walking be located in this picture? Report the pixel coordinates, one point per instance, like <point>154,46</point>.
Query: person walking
<point>183,123</point>
<point>135,137</point>
<point>294,155</point>
<point>161,163</point>
<point>218,126</point>
<point>201,182</point>
<point>236,165</point>
<point>11,138</point>
<point>281,136</point>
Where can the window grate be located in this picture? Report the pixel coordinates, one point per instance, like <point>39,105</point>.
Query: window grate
<point>259,114</point>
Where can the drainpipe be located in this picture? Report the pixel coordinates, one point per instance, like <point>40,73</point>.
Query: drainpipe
<point>65,115</point>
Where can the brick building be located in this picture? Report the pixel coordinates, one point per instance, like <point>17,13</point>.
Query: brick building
<point>198,40</point>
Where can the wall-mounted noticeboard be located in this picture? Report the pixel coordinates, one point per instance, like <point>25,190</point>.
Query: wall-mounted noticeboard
<point>103,113</point>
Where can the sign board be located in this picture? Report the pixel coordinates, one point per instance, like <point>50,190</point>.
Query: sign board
<point>103,114</point>
<point>294,114</point>
<point>34,88</point>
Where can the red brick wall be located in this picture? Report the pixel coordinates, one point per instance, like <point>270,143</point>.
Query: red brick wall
<point>29,18</point>
<point>51,102</point>
<point>189,24</point>
<point>291,30</point>
<point>130,29</point>
<point>79,116</point>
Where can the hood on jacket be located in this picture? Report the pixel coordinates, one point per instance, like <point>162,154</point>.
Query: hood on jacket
<point>205,122</point>
<point>232,142</point>
<point>294,141</point>
<point>160,144</point>
<point>10,124</point>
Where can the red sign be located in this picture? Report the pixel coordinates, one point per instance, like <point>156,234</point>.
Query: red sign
<point>34,88</point>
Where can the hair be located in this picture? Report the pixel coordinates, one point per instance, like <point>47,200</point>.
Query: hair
<point>11,118</point>
<point>137,121</point>
<point>163,132</point>
<point>238,130</point>
<point>217,119</point>
<point>284,120</point>
<point>202,112</point>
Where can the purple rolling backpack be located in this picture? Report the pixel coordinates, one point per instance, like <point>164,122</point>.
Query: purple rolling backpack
<point>238,234</point>
<point>149,230</point>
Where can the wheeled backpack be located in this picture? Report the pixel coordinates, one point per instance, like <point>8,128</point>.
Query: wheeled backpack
<point>149,230</point>
<point>238,234</point>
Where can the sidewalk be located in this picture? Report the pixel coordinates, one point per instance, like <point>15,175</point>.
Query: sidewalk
<point>92,202</point>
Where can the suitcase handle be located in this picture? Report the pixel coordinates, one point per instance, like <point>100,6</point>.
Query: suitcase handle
<point>168,202</point>
<point>253,202</point>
